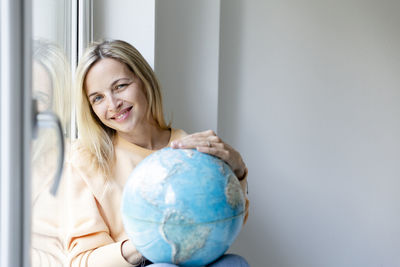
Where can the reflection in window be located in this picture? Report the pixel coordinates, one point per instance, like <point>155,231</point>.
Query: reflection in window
<point>51,87</point>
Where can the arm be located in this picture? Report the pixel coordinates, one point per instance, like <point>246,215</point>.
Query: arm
<point>88,240</point>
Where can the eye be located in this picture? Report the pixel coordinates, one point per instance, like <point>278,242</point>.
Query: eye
<point>96,99</point>
<point>42,97</point>
<point>120,86</point>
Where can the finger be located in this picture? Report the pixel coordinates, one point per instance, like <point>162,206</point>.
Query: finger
<point>215,139</point>
<point>200,134</point>
<point>215,151</point>
<point>186,142</point>
<point>193,143</point>
<point>218,146</point>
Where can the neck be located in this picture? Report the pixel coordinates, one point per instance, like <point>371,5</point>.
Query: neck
<point>150,136</point>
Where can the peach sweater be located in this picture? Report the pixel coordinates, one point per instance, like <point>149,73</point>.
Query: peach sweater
<point>95,230</point>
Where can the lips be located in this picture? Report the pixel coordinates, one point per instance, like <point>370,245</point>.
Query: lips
<point>121,116</point>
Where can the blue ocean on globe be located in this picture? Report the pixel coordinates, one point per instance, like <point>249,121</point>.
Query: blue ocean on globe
<point>183,207</point>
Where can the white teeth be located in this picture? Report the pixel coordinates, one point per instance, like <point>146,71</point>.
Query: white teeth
<point>121,115</point>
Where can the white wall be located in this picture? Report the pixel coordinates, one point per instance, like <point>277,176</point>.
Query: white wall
<point>310,93</point>
<point>129,20</point>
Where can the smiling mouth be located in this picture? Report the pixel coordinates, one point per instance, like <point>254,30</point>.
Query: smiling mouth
<point>122,115</point>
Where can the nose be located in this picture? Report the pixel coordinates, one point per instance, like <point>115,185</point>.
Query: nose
<point>114,103</point>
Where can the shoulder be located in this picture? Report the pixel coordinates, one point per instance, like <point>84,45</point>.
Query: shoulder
<point>177,134</point>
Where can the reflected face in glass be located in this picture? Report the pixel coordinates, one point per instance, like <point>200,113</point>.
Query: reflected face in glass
<point>42,87</point>
<point>116,96</point>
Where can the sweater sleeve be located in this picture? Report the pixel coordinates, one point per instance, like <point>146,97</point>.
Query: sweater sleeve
<point>88,240</point>
<point>107,255</point>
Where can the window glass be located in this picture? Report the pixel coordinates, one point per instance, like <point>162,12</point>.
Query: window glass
<point>51,88</point>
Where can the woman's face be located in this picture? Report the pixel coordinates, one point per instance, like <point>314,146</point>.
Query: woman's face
<point>116,96</point>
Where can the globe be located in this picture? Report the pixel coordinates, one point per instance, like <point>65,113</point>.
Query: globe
<point>183,207</point>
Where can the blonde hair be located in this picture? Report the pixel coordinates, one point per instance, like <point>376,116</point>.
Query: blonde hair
<point>94,135</point>
<point>52,58</point>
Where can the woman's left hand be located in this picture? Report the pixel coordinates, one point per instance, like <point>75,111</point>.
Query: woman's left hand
<point>208,142</point>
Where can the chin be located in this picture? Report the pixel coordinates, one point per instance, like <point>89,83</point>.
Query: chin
<point>127,129</point>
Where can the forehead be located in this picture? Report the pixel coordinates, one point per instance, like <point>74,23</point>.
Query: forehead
<point>104,72</point>
<point>41,78</point>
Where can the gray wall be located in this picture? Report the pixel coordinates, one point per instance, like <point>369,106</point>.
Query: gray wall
<point>186,61</point>
<point>308,92</point>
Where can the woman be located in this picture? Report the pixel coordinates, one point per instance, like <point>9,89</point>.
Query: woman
<point>120,122</point>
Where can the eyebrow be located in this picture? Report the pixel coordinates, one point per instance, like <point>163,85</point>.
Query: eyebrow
<point>112,85</point>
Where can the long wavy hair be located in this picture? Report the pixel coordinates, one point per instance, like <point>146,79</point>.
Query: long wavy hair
<point>51,58</point>
<point>94,136</point>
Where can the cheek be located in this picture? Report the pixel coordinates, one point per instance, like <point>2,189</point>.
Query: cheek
<point>100,111</point>
<point>141,97</point>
